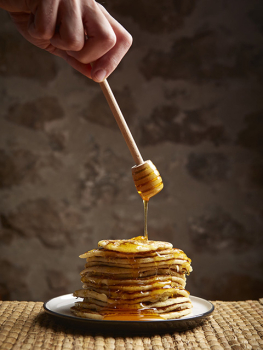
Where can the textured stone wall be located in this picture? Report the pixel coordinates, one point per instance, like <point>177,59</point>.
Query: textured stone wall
<point>191,91</point>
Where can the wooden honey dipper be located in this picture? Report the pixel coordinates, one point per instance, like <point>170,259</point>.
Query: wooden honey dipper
<point>147,179</point>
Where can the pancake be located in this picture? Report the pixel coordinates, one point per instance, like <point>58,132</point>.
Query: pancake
<point>115,254</point>
<point>141,282</point>
<point>134,245</point>
<point>137,287</point>
<point>134,279</point>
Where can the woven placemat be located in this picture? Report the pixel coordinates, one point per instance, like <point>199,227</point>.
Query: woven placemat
<point>233,325</point>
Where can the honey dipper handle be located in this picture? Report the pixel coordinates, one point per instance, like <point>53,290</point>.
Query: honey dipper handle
<point>121,122</point>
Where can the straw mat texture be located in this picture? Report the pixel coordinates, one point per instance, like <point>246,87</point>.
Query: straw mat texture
<point>233,325</point>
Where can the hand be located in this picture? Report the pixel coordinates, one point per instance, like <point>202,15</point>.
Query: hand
<point>79,31</point>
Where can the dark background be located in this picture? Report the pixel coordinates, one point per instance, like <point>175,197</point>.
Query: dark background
<point>191,91</point>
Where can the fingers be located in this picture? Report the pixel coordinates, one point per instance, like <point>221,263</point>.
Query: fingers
<point>109,61</point>
<point>100,35</point>
<point>59,21</point>
<point>70,33</point>
<point>84,69</point>
<point>42,23</point>
<point>107,43</point>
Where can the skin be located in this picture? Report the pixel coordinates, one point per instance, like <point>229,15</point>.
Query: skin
<point>79,31</point>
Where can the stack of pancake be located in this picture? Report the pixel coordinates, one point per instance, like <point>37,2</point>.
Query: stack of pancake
<point>134,279</point>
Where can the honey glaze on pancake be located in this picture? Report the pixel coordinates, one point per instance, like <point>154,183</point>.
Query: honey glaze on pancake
<point>136,245</point>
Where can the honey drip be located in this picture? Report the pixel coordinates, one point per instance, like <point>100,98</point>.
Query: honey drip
<point>145,204</point>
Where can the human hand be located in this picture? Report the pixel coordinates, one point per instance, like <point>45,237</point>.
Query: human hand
<point>80,31</point>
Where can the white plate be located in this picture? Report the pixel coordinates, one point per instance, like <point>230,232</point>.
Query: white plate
<point>60,307</point>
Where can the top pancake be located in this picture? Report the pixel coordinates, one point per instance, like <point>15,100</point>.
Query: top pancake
<point>134,245</point>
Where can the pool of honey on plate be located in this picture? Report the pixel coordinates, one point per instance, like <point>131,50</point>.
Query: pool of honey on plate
<point>128,315</point>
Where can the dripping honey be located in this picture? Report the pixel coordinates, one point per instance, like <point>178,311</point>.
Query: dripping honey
<point>145,205</point>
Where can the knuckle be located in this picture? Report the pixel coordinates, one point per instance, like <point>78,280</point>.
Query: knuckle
<point>108,40</point>
<point>129,40</point>
<point>125,40</point>
<point>40,32</point>
<point>68,41</point>
<point>74,43</point>
<point>46,36</point>
<point>101,6</point>
<point>79,56</point>
<point>50,48</point>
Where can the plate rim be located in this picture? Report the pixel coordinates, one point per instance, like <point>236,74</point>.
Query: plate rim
<point>89,320</point>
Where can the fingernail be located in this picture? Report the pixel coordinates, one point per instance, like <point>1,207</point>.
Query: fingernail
<point>99,75</point>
